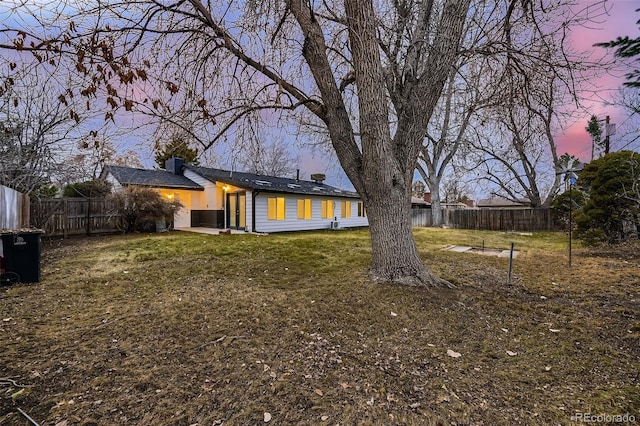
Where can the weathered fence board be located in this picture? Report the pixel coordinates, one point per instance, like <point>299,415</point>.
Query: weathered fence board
<point>14,209</point>
<point>73,216</point>
<point>501,220</point>
<point>494,220</point>
<point>421,217</point>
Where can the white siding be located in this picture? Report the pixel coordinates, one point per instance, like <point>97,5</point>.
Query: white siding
<point>191,200</point>
<point>115,185</point>
<point>292,223</point>
<point>248,210</point>
<point>212,199</point>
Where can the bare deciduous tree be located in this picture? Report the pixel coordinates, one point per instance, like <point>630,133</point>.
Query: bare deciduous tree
<point>467,91</point>
<point>33,126</point>
<point>369,73</point>
<point>540,80</point>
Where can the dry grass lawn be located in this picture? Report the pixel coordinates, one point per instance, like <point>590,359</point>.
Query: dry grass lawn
<point>186,329</point>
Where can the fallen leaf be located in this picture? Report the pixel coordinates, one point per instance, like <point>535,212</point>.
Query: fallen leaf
<point>6,319</point>
<point>345,385</point>
<point>324,418</point>
<point>17,394</point>
<point>453,354</point>
<point>62,423</point>
<point>554,330</point>
<point>512,353</point>
<point>442,398</point>
<point>267,417</point>
<point>414,405</point>
<point>506,330</point>
<point>547,368</point>
<point>431,345</point>
<point>393,314</point>
<point>319,392</point>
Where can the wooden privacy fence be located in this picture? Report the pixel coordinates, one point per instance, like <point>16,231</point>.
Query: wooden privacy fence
<point>421,217</point>
<point>14,209</point>
<point>73,216</point>
<point>501,220</point>
<point>492,220</point>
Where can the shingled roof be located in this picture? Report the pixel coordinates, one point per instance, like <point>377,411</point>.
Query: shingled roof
<point>151,178</point>
<point>270,183</point>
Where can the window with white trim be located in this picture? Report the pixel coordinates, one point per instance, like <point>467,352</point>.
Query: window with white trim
<point>276,208</point>
<point>327,209</point>
<point>345,209</point>
<point>304,209</point>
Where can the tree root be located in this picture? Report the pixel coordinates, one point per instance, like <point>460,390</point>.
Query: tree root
<point>422,279</point>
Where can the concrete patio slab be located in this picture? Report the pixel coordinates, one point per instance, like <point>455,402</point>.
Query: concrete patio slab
<point>485,252</point>
<point>460,249</point>
<point>210,231</point>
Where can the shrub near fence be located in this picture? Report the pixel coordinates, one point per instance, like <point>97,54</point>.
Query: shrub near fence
<point>73,216</point>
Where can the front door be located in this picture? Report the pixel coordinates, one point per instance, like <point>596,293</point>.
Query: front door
<point>236,211</point>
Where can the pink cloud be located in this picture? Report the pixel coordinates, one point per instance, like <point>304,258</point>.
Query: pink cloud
<point>621,21</point>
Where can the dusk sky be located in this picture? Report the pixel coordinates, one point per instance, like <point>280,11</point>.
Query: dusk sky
<point>620,22</point>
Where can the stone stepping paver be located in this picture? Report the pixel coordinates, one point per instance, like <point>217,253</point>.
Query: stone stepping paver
<point>475,250</point>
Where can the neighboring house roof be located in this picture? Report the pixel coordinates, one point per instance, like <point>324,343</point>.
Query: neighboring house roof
<point>151,178</point>
<point>456,205</point>
<point>270,183</point>
<point>499,203</point>
<point>419,201</point>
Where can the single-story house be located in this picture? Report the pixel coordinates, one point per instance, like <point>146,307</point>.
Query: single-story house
<point>236,200</point>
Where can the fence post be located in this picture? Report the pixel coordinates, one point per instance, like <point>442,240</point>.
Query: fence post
<point>25,214</point>
<point>510,264</point>
<point>89,216</point>
<point>65,218</point>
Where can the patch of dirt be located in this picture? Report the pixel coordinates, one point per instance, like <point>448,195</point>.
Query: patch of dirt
<point>627,250</point>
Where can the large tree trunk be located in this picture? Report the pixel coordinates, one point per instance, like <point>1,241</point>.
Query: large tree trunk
<point>395,256</point>
<point>380,165</point>
<point>386,182</point>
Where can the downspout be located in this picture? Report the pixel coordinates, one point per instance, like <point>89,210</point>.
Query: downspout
<point>254,195</point>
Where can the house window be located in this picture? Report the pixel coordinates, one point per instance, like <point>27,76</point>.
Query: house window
<point>361,211</point>
<point>304,209</point>
<point>276,208</point>
<point>345,209</point>
<point>327,209</point>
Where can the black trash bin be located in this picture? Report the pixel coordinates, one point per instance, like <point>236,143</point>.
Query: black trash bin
<point>21,252</point>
